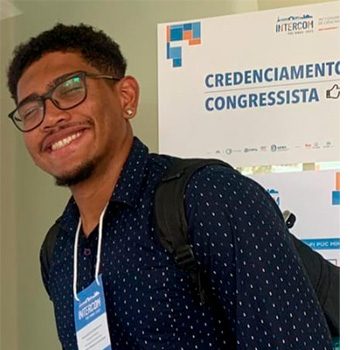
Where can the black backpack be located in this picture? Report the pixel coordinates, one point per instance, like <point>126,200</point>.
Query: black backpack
<point>172,231</point>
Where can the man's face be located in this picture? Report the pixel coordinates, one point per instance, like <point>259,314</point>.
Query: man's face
<point>86,138</point>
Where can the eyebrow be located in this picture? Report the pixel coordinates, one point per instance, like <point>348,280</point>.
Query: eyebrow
<point>52,84</point>
<point>31,97</point>
<point>60,79</point>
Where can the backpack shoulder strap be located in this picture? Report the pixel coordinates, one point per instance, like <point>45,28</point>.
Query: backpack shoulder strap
<point>171,218</point>
<point>46,251</point>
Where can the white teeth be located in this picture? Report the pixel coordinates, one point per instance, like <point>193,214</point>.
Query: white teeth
<point>66,141</point>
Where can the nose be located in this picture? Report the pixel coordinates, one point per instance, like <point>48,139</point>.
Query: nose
<point>54,116</point>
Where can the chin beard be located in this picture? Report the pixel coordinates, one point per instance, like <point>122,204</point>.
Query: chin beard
<point>80,174</point>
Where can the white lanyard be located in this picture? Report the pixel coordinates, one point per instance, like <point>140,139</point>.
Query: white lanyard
<point>98,258</point>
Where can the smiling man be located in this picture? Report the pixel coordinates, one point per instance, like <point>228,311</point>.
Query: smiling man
<point>112,284</point>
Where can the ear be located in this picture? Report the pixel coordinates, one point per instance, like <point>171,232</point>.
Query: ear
<point>128,91</point>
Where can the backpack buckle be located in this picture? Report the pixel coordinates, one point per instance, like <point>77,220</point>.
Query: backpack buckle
<point>184,258</point>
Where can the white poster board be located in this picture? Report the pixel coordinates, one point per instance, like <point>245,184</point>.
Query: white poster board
<point>252,89</point>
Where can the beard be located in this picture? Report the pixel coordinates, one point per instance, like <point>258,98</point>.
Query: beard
<point>82,173</point>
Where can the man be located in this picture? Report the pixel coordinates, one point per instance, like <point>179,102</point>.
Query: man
<point>74,105</point>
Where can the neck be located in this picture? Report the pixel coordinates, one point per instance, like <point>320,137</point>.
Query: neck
<point>93,194</point>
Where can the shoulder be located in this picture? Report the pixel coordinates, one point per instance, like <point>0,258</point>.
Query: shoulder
<point>159,164</point>
<point>226,185</point>
<point>220,200</point>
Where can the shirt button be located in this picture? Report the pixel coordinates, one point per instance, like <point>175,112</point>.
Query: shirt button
<point>87,251</point>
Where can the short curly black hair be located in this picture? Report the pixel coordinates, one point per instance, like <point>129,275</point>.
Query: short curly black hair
<point>95,46</point>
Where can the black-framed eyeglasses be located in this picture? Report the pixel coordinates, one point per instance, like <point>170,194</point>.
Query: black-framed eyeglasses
<point>69,91</point>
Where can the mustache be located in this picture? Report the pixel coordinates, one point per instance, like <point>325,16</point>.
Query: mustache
<point>68,124</point>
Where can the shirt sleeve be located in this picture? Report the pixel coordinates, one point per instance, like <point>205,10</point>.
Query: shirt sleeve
<point>252,268</point>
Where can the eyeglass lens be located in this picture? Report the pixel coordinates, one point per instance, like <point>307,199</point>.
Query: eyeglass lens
<point>67,94</point>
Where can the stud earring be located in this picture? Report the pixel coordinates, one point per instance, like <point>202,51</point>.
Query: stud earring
<point>129,112</point>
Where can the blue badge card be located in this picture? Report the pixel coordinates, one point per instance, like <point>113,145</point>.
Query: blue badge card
<point>91,319</point>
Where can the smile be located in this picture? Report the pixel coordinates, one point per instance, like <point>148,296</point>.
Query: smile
<point>64,142</point>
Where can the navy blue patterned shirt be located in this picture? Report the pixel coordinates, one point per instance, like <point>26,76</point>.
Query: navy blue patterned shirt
<point>262,298</point>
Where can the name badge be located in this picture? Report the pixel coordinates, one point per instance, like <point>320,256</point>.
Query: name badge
<point>91,319</point>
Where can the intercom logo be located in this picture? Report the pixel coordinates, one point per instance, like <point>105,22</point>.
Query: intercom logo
<point>176,36</point>
<point>295,24</point>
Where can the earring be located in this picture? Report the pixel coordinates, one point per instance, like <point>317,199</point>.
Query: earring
<point>129,112</point>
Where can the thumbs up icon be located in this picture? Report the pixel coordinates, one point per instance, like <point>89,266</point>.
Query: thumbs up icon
<point>334,92</point>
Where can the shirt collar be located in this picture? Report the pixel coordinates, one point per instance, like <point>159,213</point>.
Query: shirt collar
<point>127,188</point>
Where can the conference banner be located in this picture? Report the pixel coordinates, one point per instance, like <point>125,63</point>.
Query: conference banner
<point>313,197</point>
<point>259,88</point>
